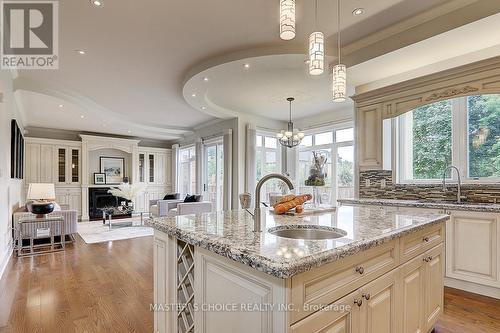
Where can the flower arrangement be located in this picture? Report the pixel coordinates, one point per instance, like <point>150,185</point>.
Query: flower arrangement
<point>317,173</point>
<point>128,191</point>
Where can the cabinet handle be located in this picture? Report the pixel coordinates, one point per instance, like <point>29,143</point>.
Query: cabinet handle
<point>360,269</point>
<point>366,296</point>
<point>426,239</point>
<point>426,259</point>
<point>430,258</point>
<point>358,302</point>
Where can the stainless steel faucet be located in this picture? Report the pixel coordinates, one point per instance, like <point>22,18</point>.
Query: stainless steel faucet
<point>459,192</point>
<point>257,226</point>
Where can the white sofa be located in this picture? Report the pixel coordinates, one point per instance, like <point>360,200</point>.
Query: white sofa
<point>160,208</point>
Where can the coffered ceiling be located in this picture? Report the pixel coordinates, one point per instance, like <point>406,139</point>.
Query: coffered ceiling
<point>141,55</point>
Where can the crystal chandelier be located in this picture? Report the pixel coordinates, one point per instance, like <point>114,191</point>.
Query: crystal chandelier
<point>287,19</point>
<point>290,137</point>
<point>339,71</point>
<point>316,49</point>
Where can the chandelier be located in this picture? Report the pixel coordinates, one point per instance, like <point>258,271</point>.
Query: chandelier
<point>290,137</point>
<point>287,19</point>
<point>339,72</point>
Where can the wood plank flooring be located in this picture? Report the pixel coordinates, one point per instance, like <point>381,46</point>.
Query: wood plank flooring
<point>108,287</point>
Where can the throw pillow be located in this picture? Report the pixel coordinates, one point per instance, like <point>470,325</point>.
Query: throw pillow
<point>172,196</point>
<point>190,198</point>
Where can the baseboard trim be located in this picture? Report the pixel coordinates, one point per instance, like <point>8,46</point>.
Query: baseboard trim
<point>5,261</point>
<point>473,287</point>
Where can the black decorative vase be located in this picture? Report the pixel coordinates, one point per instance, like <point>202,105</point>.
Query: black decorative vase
<point>40,208</point>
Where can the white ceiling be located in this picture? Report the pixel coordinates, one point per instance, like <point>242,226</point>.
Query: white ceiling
<point>140,54</point>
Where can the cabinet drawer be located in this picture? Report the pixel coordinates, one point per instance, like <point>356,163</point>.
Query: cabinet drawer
<point>417,243</point>
<point>322,286</point>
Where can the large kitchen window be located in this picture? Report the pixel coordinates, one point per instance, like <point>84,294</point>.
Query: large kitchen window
<point>267,160</point>
<point>187,170</point>
<point>463,131</point>
<point>337,145</point>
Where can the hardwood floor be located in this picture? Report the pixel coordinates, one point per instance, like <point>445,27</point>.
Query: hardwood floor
<point>108,287</point>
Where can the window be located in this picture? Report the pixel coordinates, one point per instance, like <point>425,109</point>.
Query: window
<point>187,170</point>
<point>463,131</point>
<point>267,160</point>
<point>337,145</point>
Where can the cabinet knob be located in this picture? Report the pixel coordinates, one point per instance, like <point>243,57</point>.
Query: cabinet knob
<point>366,296</point>
<point>426,239</point>
<point>360,269</point>
<point>430,258</point>
<point>358,302</point>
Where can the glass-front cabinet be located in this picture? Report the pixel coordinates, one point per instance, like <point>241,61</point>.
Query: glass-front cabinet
<point>68,165</point>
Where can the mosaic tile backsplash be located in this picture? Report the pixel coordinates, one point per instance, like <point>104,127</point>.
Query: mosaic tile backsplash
<point>487,193</point>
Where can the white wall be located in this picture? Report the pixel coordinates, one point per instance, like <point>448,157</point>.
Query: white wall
<point>10,189</point>
<point>94,161</point>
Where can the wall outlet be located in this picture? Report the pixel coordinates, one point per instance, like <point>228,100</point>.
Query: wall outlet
<point>367,183</point>
<point>382,183</point>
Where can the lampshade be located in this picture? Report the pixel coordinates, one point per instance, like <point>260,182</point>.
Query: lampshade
<point>287,19</point>
<point>339,83</point>
<point>316,53</point>
<point>41,191</point>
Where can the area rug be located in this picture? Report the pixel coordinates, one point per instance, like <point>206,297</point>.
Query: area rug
<point>96,232</point>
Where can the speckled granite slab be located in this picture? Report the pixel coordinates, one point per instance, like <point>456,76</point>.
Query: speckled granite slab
<point>473,207</point>
<point>230,234</point>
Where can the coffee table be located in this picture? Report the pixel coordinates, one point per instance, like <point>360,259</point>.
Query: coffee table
<point>108,213</point>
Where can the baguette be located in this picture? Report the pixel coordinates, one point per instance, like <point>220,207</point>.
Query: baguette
<point>284,199</point>
<point>286,206</point>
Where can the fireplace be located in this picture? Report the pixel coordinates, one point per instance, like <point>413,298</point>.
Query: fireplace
<point>100,198</point>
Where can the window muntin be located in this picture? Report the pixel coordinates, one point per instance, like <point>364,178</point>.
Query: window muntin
<point>187,170</point>
<point>267,160</point>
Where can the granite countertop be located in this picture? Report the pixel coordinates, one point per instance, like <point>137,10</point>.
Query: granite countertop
<point>230,234</point>
<point>467,206</point>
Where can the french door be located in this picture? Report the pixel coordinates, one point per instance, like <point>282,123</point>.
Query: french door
<point>213,170</point>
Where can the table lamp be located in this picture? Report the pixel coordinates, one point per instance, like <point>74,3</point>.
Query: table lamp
<point>40,199</point>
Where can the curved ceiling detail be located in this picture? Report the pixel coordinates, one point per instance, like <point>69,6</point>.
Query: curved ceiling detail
<point>259,86</point>
<point>81,107</point>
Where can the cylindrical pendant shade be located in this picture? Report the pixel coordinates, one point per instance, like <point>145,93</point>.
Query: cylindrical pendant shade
<point>287,19</point>
<point>339,83</point>
<point>316,53</point>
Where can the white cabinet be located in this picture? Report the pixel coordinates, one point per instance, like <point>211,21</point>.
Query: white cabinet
<point>412,296</point>
<point>369,136</point>
<point>68,165</point>
<point>70,196</point>
<point>472,251</point>
<point>32,163</point>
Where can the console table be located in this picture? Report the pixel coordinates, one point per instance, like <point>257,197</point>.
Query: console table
<point>37,228</point>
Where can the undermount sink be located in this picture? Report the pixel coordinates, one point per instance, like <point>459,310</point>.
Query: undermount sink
<point>307,232</point>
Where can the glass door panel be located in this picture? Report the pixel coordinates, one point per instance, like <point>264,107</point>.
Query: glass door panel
<point>75,165</point>
<point>61,165</point>
<point>141,168</point>
<point>214,170</point>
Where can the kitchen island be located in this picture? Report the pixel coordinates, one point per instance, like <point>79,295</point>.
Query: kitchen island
<point>382,273</point>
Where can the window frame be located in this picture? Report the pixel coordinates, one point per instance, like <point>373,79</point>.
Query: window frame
<point>459,144</point>
<point>333,151</point>
<point>179,167</point>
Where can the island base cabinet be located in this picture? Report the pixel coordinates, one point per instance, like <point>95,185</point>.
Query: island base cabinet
<point>433,285</point>
<point>412,296</point>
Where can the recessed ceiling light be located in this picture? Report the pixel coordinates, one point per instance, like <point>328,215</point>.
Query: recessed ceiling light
<point>358,11</point>
<point>205,79</point>
<point>82,116</point>
<point>81,51</point>
<point>60,105</point>
<point>246,66</point>
<point>129,131</point>
<point>193,95</point>
<point>97,3</point>
<point>203,107</point>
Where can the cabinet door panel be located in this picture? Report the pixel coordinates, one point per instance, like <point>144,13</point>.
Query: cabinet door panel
<point>369,135</point>
<point>378,312</point>
<point>32,164</point>
<point>412,296</point>
<point>46,163</point>
<point>434,282</point>
<point>472,248</point>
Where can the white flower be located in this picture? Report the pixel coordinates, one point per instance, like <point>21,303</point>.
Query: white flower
<point>128,191</point>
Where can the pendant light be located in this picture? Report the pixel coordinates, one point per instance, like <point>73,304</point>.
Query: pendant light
<point>290,137</point>
<point>287,19</point>
<point>339,71</point>
<point>316,48</point>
